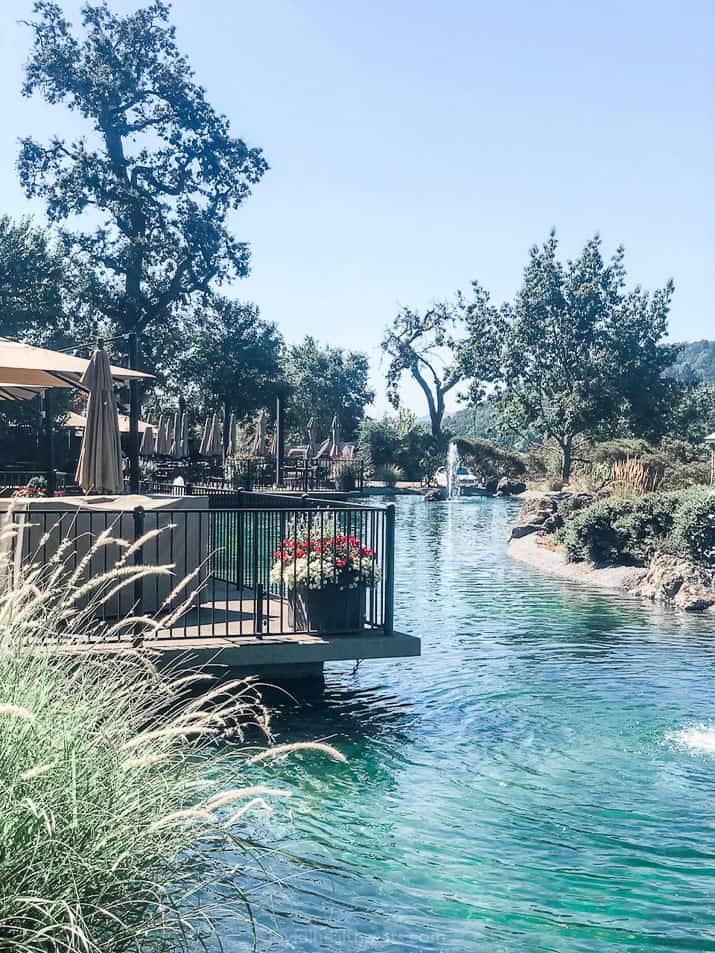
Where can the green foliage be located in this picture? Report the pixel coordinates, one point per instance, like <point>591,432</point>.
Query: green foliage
<point>448,343</point>
<point>33,285</point>
<point>682,463</point>
<point>389,474</point>
<point>232,361</point>
<point>583,355</point>
<point>694,362</point>
<point>379,442</point>
<point>489,460</point>
<point>160,169</point>
<point>630,531</point>
<point>694,529</point>
<point>323,382</point>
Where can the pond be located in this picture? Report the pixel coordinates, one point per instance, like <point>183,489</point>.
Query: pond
<point>538,781</point>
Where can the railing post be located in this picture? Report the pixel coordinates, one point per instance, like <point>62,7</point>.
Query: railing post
<point>138,513</point>
<point>389,609</point>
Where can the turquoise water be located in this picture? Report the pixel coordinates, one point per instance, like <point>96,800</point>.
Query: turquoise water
<point>521,787</point>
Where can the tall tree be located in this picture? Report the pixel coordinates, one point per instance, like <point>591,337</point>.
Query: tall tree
<point>324,382</point>
<point>442,347</point>
<point>157,175</point>
<point>33,284</point>
<point>583,355</point>
<point>233,361</point>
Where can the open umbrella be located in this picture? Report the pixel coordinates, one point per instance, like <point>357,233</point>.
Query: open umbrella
<point>100,459</point>
<point>258,448</point>
<point>148,444</point>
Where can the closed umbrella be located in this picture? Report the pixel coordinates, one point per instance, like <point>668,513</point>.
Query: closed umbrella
<point>335,438</point>
<point>184,436</point>
<point>162,438</point>
<point>214,439</point>
<point>231,441</point>
<point>100,459</point>
<point>258,448</point>
<point>175,438</point>
<point>205,437</point>
<point>148,444</point>
<point>310,431</point>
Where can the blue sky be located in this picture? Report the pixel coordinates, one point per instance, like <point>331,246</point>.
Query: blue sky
<point>417,146</point>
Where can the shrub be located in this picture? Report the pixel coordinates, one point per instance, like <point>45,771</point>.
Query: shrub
<point>617,529</point>
<point>489,460</point>
<point>693,533</point>
<point>592,535</point>
<point>389,475</point>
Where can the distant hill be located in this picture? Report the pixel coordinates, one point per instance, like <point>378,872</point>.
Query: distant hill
<point>695,363</point>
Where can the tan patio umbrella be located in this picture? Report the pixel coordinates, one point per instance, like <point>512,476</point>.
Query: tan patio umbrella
<point>100,459</point>
<point>258,447</point>
<point>175,437</point>
<point>215,442</point>
<point>184,436</point>
<point>310,431</point>
<point>205,437</point>
<point>38,367</point>
<point>335,437</point>
<point>231,442</point>
<point>148,444</point>
<point>75,421</point>
<point>162,438</point>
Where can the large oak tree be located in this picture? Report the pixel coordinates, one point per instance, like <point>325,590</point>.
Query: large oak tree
<point>149,188</point>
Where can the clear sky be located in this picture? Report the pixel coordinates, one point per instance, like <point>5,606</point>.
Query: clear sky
<point>416,146</point>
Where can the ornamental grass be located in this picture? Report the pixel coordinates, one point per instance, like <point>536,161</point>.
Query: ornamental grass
<point>122,819</point>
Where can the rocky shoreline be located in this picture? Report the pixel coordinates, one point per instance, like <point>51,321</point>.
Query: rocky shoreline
<point>668,579</point>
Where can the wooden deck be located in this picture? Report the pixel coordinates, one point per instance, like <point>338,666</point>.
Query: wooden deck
<point>220,632</point>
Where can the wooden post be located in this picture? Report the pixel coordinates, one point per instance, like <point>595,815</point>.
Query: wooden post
<point>50,474</point>
<point>133,416</point>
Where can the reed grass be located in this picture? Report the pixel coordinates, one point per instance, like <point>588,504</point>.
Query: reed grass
<point>118,810</point>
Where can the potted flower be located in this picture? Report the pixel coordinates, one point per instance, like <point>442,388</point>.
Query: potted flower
<point>327,578</point>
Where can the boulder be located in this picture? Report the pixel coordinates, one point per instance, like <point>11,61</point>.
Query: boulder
<point>507,487</point>
<point>491,485</point>
<point>553,523</point>
<point>678,582</point>
<point>524,529</point>
<point>435,496</point>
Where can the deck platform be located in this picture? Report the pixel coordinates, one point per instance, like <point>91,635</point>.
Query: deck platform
<point>220,632</point>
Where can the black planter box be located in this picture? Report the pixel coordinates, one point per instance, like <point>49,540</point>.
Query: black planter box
<point>328,610</point>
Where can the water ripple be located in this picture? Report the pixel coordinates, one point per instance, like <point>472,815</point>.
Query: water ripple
<point>538,781</point>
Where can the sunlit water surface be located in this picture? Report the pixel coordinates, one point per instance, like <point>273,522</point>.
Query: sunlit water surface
<point>542,779</point>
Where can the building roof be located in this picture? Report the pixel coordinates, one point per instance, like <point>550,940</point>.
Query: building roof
<point>710,438</point>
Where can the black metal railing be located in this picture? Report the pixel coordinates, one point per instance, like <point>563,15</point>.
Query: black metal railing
<point>237,570</point>
<point>248,473</point>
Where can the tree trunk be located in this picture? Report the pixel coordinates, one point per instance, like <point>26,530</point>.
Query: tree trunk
<point>566,445</point>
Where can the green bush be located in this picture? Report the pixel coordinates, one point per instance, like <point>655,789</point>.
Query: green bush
<point>630,531</point>
<point>490,460</point>
<point>693,532</point>
<point>592,534</point>
<point>389,475</point>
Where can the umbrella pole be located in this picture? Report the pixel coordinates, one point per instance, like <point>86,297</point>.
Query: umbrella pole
<point>133,417</point>
<point>51,475</point>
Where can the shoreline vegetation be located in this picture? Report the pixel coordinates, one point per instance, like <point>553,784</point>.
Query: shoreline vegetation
<point>665,541</point>
<point>128,795</point>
